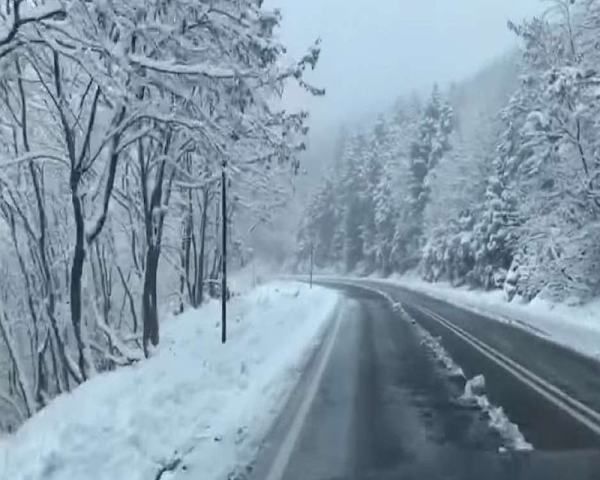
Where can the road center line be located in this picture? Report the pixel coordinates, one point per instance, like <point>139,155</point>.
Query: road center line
<point>560,399</point>
<point>586,416</point>
<point>532,376</point>
<point>282,459</point>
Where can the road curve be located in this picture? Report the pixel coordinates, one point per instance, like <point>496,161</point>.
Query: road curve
<point>575,376</point>
<point>374,403</point>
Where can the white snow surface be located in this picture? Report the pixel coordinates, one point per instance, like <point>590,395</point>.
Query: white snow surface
<point>440,353</point>
<point>576,327</point>
<point>196,404</point>
<point>512,436</point>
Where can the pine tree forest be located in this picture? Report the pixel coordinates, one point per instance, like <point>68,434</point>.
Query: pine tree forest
<point>491,183</point>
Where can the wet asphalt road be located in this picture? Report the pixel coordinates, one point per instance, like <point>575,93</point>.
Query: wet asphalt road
<point>545,426</point>
<point>384,408</point>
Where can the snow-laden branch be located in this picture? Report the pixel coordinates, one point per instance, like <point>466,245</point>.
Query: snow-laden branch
<point>35,157</point>
<point>172,68</point>
<point>24,13</point>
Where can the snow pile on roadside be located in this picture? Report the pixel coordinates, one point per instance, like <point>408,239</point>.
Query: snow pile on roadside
<point>576,327</point>
<point>432,343</point>
<point>475,393</point>
<point>474,387</point>
<point>440,353</point>
<point>196,407</point>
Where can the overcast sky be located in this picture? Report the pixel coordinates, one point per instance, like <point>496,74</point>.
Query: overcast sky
<point>374,51</point>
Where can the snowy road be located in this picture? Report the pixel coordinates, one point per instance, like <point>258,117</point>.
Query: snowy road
<point>377,403</point>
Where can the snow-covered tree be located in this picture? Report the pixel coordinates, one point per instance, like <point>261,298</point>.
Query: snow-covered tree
<point>370,177</point>
<point>554,167</point>
<point>117,121</point>
<point>432,142</point>
<point>497,187</point>
<point>351,201</point>
<point>319,227</point>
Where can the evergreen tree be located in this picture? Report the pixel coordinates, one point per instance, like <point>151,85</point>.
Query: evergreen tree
<point>370,176</point>
<point>350,197</point>
<point>319,226</point>
<point>431,144</point>
<point>385,219</point>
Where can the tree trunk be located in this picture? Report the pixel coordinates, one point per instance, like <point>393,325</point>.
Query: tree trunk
<point>149,307</point>
<point>57,372</point>
<point>77,273</point>
<point>42,375</point>
<point>184,275</point>
<point>200,264</point>
<point>154,221</point>
<point>130,298</point>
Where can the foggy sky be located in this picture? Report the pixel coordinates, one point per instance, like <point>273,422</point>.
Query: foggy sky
<point>374,51</point>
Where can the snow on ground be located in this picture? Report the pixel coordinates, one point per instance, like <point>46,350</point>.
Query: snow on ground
<point>255,272</point>
<point>196,407</point>
<point>576,327</point>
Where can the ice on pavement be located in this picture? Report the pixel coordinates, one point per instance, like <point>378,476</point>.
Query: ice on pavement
<point>196,404</point>
<point>510,433</point>
<point>576,327</point>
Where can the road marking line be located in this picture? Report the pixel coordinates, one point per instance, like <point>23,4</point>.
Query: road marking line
<point>532,376</point>
<point>284,454</point>
<point>562,400</point>
<point>566,403</point>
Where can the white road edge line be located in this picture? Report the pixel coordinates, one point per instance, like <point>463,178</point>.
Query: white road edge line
<point>534,382</point>
<point>284,453</point>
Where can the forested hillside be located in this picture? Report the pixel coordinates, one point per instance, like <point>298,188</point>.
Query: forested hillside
<point>118,121</point>
<point>492,183</point>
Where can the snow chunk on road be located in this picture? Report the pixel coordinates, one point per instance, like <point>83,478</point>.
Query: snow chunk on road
<point>510,433</point>
<point>442,356</point>
<point>196,407</point>
<point>475,386</point>
<point>474,393</point>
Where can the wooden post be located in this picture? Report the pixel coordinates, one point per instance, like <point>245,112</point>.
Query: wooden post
<point>224,255</point>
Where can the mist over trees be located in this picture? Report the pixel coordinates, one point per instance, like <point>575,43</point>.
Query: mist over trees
<point>117,118</point>
<point>492,183</point>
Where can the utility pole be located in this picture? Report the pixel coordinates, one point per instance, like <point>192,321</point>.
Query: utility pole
<point>312,261</point>
<point>224,255</point>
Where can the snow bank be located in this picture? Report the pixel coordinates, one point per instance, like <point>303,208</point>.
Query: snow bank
<point>196,408</point>
<point>576,327</point>
<point>440,353</point>
<point>510,433</point>
<point>474,393</point>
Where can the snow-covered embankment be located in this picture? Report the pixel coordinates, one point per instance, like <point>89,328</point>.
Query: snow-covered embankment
<point>575,327</point>
<point>196,409</point>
